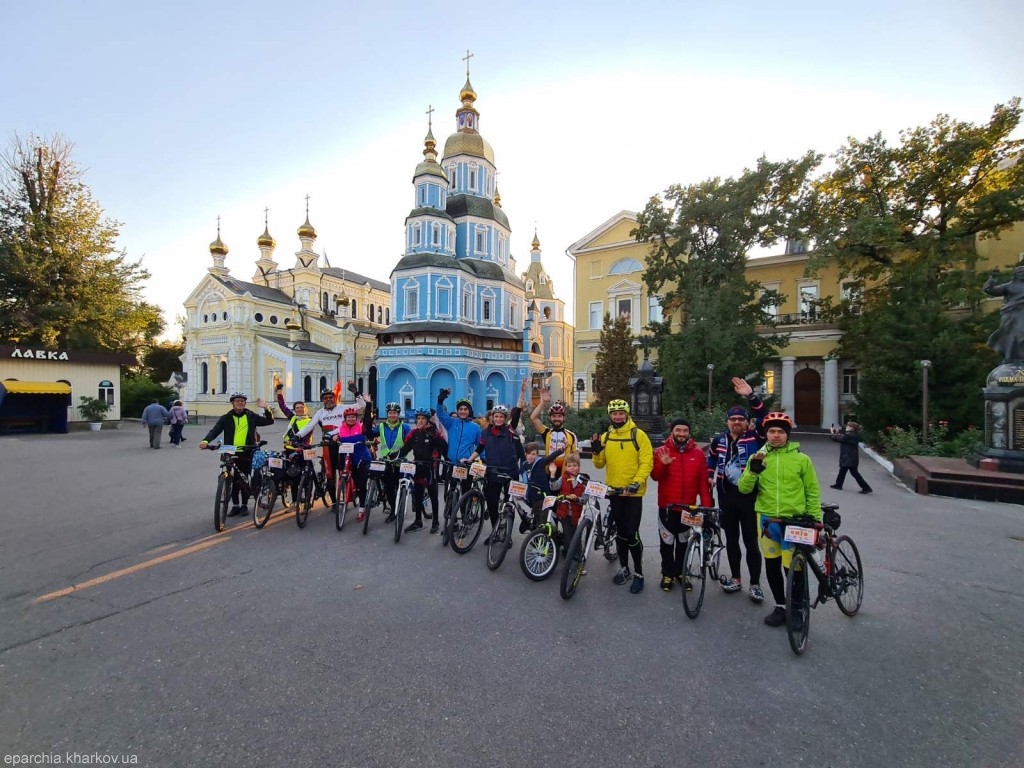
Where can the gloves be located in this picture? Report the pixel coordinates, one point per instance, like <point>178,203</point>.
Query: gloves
<point>443,395</point>
<point>756,465</point>
<point>632,488</point>
<point>596,447</point>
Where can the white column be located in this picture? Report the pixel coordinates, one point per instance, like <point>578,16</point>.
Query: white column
<point>788,391</point>
<point>830,394</point>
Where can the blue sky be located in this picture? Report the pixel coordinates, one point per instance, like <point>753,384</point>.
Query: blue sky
<point>183,112</point>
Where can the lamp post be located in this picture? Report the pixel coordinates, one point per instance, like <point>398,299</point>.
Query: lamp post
<point>580,386</point>
<point>925,365</point>
<point>711,370</point>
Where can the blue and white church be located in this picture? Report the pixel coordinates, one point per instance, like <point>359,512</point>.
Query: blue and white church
<point>461,316</point>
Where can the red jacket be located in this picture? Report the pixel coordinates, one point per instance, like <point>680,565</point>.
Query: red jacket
<point>685,478</point>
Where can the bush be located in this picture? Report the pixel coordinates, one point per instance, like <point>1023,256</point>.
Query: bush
<point>704,424</point>
<point>93,409</point>
<point>898,443</point>
<point>138,392</point>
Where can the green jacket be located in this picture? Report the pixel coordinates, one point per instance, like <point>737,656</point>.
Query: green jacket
<point>788,487</point>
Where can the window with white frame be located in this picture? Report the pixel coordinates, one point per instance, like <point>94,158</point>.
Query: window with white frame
<point>849,381</point>
<point>423,194</point>
<point>444,298</point>
<point>625,267</point>
<point>451,177</point>
<point>412,300</point>
<point>512,314</point>
<point>472,180</point>
<point>417,235</point>
<point>624,308</point>
<point>467,306</point>
<point>596,315</point>
<point>435,234</point>
<point>487,310</point>
<point>481,239</point>
<point>654,309</point>
<point>808,301</point>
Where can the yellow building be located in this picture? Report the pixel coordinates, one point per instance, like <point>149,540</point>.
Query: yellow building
<point>808,380</point>
<point>306,326</point>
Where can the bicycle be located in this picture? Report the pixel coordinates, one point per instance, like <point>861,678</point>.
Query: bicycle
<point>229,475</point>
<point>595,531</point>
<point>703,553</point>
<point>403,496</point>
<point>466,521</point>
<point>266,496</point>
<point>454,475</point>
<point>500,540</point>
<point>312,484</point>
<point>375,489</point>
<point>344,484</point>
<point>834,561</point>
<point>538,556</point>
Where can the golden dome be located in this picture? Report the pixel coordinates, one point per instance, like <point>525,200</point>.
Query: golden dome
<point>468,144</point>
<point>306,230</point>
<point>265,240</point>
<point>536,241</point>
<point>497,196</point>
<point>218,248</point>
<point>467,95</point>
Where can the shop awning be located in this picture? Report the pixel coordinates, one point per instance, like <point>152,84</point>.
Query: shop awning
<point>36,387</point>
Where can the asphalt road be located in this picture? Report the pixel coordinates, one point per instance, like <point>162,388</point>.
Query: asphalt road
<point>178,646</point>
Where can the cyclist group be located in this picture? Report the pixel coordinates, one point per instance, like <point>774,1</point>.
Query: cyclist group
<point>759,477</point>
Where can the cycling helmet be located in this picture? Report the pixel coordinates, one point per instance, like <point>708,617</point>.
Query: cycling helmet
<point>392,407</point>
<point>351,412</point>
<point>502,409</point>
<point>557,407</point>
<point>618,405</point>
<point>424,412</point>
<point>777,419</point>
<point>463,401</point>
<point>325,392</point>
<point>235,395</point>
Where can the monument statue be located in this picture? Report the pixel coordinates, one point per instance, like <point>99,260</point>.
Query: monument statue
<point>1008,339</point>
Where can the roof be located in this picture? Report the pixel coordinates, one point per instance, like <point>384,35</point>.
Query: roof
<point>264,292</point>
<point>424,211</point>
<point>440,327</point>
<point>540,290</point>
<point>303,346</point>
<point>36,387</point>
<point>487,270</point>
<point>588,238</point>
<point>481,207</point>
<point>355,277</point>
<point>465,143</point>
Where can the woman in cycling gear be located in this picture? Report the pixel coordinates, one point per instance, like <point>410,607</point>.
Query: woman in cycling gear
<point>391,436</point>
<point>356,432</point>
<point>787,487</point>
<point>427,446</point>
<point>239,428</point>
<point>626,452</point>
<point>503,453</point>
<point>329,418</point>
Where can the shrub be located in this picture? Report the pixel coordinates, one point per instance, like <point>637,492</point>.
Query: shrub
<point>93,409</point>
<point>898,443</point>
<point>138,392</point>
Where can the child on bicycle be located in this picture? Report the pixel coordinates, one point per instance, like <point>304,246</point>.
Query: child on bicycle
<point>787,487</point>
<point>571,484</point>
<point>534,472</point>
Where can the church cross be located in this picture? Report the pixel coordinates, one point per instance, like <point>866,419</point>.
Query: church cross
<point>466,59</point>
<point>430,115</point>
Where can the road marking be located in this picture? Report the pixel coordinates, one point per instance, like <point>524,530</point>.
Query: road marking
<point>129,570</point>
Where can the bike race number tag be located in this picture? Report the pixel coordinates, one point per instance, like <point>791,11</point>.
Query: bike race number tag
<point>549,502</point>
<point>798,535</point>
<point>459,473</point>
<point>517,490</point>
<point>346,448</point>
<point>596,489</point>
<point>275,462</point>
<point>478,469</point>
<point>376,466</point>
<point>228,449</point>
<point>309,454</point>
<point>693,518</point>
<point>407,468</point>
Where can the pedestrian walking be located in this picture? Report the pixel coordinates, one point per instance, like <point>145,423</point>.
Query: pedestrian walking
<point>849,455</point>
<point>178,417</point>
<point>154,416</point>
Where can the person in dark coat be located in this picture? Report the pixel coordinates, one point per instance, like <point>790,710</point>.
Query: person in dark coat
<point>849,456</point>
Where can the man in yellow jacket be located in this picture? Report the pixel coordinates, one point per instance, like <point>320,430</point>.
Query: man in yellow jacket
<point>626,452</point>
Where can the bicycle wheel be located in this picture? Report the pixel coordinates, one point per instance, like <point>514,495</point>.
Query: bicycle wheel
<point>400,504</point>
<point>450,500</point>
<point>341,501</point>
<point>575,559</point>
<point>798,610</point>
<point>501,538</point>
<point>305,501</point>
<point>714,562</point>
<point>467,521</point>
<point>848,576</point>
<point>265,500</point>
<point>611,540</point>
<point>372,494</point>
<point>220,504</point>
<point>538,556</point>
<point>694,575</point>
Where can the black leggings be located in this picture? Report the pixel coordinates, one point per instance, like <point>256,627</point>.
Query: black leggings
<point>430,486</point>
<point>738,517</point>
<point>627,511</point>
<point>492,495</point>
<point>776,576</point>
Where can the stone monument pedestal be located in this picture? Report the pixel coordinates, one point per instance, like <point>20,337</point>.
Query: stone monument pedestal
<point>1004,420</point>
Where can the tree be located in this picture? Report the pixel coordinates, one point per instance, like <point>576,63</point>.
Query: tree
<point>901,223</point>
<point>62,281</point>
<point>699,245</point>
<point>616,360</point>
<point>162,359</point>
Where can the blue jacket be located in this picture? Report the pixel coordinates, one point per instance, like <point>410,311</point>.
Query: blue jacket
<point>463,436</point>
<point>729,460</point>
<point>501,450</point>
<point>154,415</point>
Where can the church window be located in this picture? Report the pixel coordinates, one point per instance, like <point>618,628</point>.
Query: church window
<point>472,180</point>
<point>467,306</point>
<point>625,266</point>
<point>387,316</point>
<point>481,240</point>
<point>224,316</point>
<point>412,302</point>
<point>273,319</point>
<point>423,194</point>
<point>223,376</point>
<point>206,318</point>
<point>512,315</point>
<point>258,317</point>
<point>444,302</point>
<point>547,313</point>
<point>529,285</point>
<point>435,234</point>
<point>487,310</point>
<point>369,313</point>
<point>204,378</point>
<point>354,309</point>
<point>325,302</point>
<point>323,383</point>
<point>380,318</point>
<point>417,236</point>
<point>307,388</point>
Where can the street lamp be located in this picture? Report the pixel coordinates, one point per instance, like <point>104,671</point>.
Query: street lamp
<point>925,365</point>
<point>711,370</point>
<point>580,386</point>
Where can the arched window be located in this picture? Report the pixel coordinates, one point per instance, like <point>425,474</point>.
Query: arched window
<point>323,384</point>
<point>380,314</point>
<point>307,389</point>
<point>326,306</point>
<point>355,308</point>
<point>204,378</point>
<point>625,266</point>
<point>387,316</point>
<point>369,312</point>
<point>105,392</point>
<point>223,376</point>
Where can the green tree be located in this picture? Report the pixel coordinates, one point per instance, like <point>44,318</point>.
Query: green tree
<point>901,221</point>
<point>62,281</point>
<point>700,236</point>
<point>616,360</point>
<point>162,359</point>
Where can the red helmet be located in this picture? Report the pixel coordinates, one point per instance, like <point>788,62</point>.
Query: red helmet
<point>351,412</point>
<point>557,407</point>
<point>777,419</point>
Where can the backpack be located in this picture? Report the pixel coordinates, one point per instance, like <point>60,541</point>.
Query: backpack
<point>632,436</point>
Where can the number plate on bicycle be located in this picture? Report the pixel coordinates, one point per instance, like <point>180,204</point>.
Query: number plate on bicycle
<point>460,473</point>
<point>346,447</point>
<point>597,490</point>
<point>407,468</point>
<point>517,490</point>
<point>228,449</point>
<point>275,462</point>
<point>478,470</point>
<point>549,502</point>
<point>693,518</point>
<point>376,466</point>
<point>798,535</point>
<point>309,454</point>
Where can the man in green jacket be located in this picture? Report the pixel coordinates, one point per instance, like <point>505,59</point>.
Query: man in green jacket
<point>787,487</point>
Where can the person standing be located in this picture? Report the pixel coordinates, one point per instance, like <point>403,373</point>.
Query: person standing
<point>681,474</point>
<point>239,429</point>
<point>728,454</point>
<point>178,417</point>
<point>391,436</point>
<point>503,454</point>
<point>849,456</point>
<point>556,437</point>
<point>427,447</point>
<point>329,418</point>
<point>626,451</point>
<point>153,418</point>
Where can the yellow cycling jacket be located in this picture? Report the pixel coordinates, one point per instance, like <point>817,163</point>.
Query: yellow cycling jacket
<point>626,462</point>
